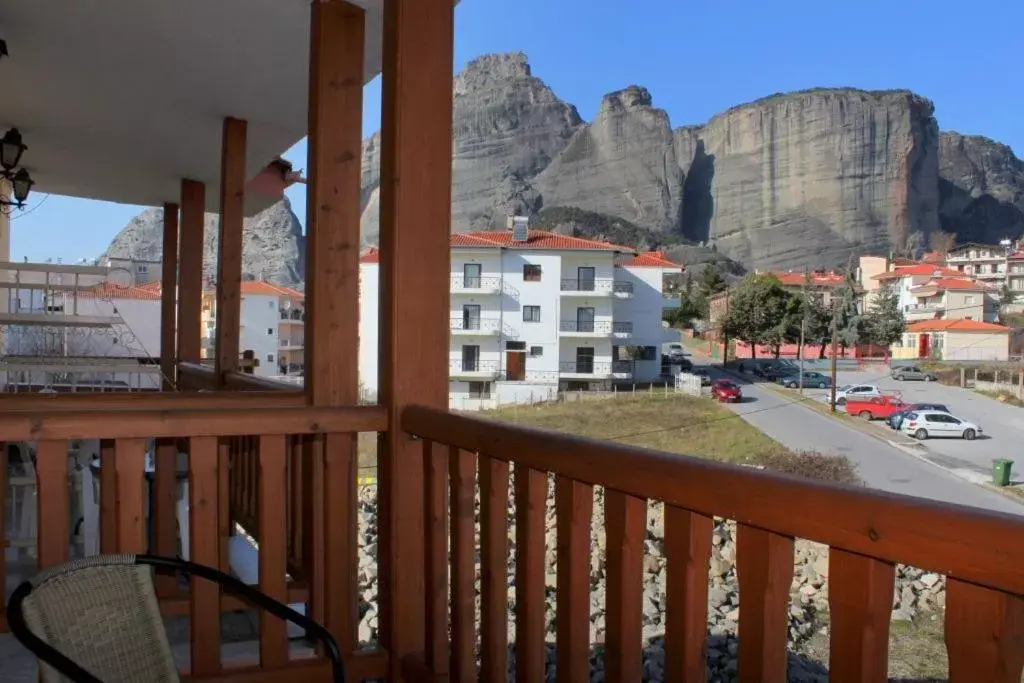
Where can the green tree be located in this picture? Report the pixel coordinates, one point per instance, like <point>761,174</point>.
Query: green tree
<point>851,323</point>
<point>757,312</point>
<point>1006,295</point>
<point>711,282</point>
<point>818,319</point>
<point>885,323</point>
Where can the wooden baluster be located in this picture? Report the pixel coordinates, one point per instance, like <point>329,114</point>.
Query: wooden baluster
<point>626,527</point>
<point>860,592</point>
<point>341,542</point>
<point>764,567</point>
<point>53,533</point>
<point>204,596</point>
<point>296,542</point>
<point>435,502</point>
<point>165,527</point>
<point>131,486</point>
<point>531,490</point>
<point>687,552</point>
<point>574,506</point>
<point>224,505</point>
<point>493,569</point>
<point>272,563</point>
<point>462,472</point>
<point>108,497</point>
<point>984,634</point>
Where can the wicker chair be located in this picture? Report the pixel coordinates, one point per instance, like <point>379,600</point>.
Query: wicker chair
<point>97,620</point>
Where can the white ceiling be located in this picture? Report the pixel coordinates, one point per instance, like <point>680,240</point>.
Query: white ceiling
<point>120,99</point>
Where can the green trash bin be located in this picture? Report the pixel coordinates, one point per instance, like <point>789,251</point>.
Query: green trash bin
<point>1001,472</point>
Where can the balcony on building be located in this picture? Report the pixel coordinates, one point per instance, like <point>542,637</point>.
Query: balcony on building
<point>592,287</point>
<point>476,284</point>
<point>924,311</point>
<point>474,369</point>
<point>263,479</point>
<point>586,328</point>
<point>588,368</point>
<point>476,326</point>
<point>294,316</point>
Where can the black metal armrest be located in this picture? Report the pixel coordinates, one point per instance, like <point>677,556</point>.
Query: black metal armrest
<point>57,660</point>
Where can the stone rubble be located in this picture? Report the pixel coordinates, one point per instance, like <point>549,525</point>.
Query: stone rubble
<point>915,592</point>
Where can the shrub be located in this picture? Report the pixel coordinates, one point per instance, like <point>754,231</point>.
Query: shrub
<point>811,465</point>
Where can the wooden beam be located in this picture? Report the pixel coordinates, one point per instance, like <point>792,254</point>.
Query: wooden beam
<point>135,401</point>
<point>168,299</point>
<point>190,271</point>
<point>415,220</point>
<point>229,245</point>
<point>63,426</point>
<point>336,73</point>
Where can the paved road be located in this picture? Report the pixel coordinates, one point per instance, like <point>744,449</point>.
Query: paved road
<point>879,464</point>
<point>1003,424</point>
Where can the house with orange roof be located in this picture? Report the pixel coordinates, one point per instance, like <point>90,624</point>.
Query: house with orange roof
<point>272,327</point>
<point>533,312</point>
<point>953,339</point>
<point>946,297</point>
<point>824,282</point>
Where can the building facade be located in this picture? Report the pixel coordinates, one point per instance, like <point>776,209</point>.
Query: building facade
<point>533,315</point>
<point>953,340</point>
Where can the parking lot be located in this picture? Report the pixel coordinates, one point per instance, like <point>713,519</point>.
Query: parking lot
<point>1003,424</point>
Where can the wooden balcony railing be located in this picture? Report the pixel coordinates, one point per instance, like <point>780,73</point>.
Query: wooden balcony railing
<point>868,532</point>
<point>297,559</point>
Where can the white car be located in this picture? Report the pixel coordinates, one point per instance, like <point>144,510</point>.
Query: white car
<point>925,424</point>
<point>856,391</point>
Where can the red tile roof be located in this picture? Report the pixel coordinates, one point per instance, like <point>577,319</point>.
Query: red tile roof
<point>537,239</point>
<point>957,325</point>
<point>650,259</point>
<point>370,255</point>
<point>260,288</point>
<point>918,269</point>
<point>954,283</point>
<point>110,290</point>
<point>1016,256</point>
<point>933,257</point>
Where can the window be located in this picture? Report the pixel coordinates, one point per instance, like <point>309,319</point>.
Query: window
<point>531,314</point>
<point>471,275</point>
<point>470,358</point>
<point>536,351</point>
<point>531,273</point>
<point>515,346</point>
<point>271,304</point>
<point>968,300</point>
<point>142,269</point>
<point>479,389</point>
<point>647,352</point>
<point>270,358</point>
<point>270,331</point>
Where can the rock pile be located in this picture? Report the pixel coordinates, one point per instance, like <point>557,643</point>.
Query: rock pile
<point>915,592</point>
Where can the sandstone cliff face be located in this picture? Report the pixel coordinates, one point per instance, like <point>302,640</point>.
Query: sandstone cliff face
<point>273,246</point>
<point>795,180</point>
<point>981,188</point>
<point>808,178</point>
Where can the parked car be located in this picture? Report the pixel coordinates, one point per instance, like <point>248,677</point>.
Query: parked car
<point>673,350</point>
<point>905,372</point>
<point>895,421</point>
<point>874,407</point>
<point>926,424</point>
<point>855,391</point>
<point>726,391</point>
<point>705,376</point>
<point>810,379</point>
<point>770,371</point>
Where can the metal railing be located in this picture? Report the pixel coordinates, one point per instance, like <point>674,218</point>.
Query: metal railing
<point>488,367</point>
<point>476,283</point>
<point>622,328</point>
<point>293,314</point>
<point>596,368</point>
<point>596,285</point>
<point>464,324</point>
<point>586,326</point>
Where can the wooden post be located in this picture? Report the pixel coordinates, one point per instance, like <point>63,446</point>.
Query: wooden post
<point>168,299</point>
<point>229,246</point>
<point>337,35</point>
<point>415,266</point>
<point>190,271</point>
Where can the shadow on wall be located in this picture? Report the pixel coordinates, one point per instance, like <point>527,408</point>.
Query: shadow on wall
<point>698,203</point>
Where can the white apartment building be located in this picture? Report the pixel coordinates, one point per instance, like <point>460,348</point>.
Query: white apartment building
<point>272,327</point>
<point>533,312</point>
<point>927,291</point>
<point>983,262</point>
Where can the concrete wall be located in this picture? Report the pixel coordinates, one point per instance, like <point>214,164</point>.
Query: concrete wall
<point>260,331</point>
<point>369,324</point>
<point>975,346</point>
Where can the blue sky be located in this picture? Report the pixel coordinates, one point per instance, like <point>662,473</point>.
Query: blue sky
<point>697,59</point>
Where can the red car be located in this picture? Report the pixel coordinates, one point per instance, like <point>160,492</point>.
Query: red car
<point>875,407</point>
<point>726,391</point>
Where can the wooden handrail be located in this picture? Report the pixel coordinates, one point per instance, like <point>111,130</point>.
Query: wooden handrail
<point>108,424</point>
<point>241,381</point>
<point>974,545</point>
<point>130,401</point>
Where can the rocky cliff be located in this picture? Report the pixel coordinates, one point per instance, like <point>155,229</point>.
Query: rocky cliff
<point>789,181</point>
<point>273,246</point>
<point>981,188</point>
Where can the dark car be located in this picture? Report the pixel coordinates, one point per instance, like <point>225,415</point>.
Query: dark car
<point>895,421</point>
<point>705,376</point>
<point>726,391</point>
<point>810,379</point>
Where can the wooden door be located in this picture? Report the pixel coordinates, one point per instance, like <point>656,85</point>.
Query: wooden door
<point>515,366</point>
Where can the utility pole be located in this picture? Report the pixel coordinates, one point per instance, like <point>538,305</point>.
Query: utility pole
<point>803,326</point>
<point>835,322</point>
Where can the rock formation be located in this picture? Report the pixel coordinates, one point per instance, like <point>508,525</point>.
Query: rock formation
<point>981,189</point>
<point>793,180</point>
<point>273,246</point>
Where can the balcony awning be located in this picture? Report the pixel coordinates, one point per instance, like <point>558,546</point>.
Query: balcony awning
<point>119,100</point>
